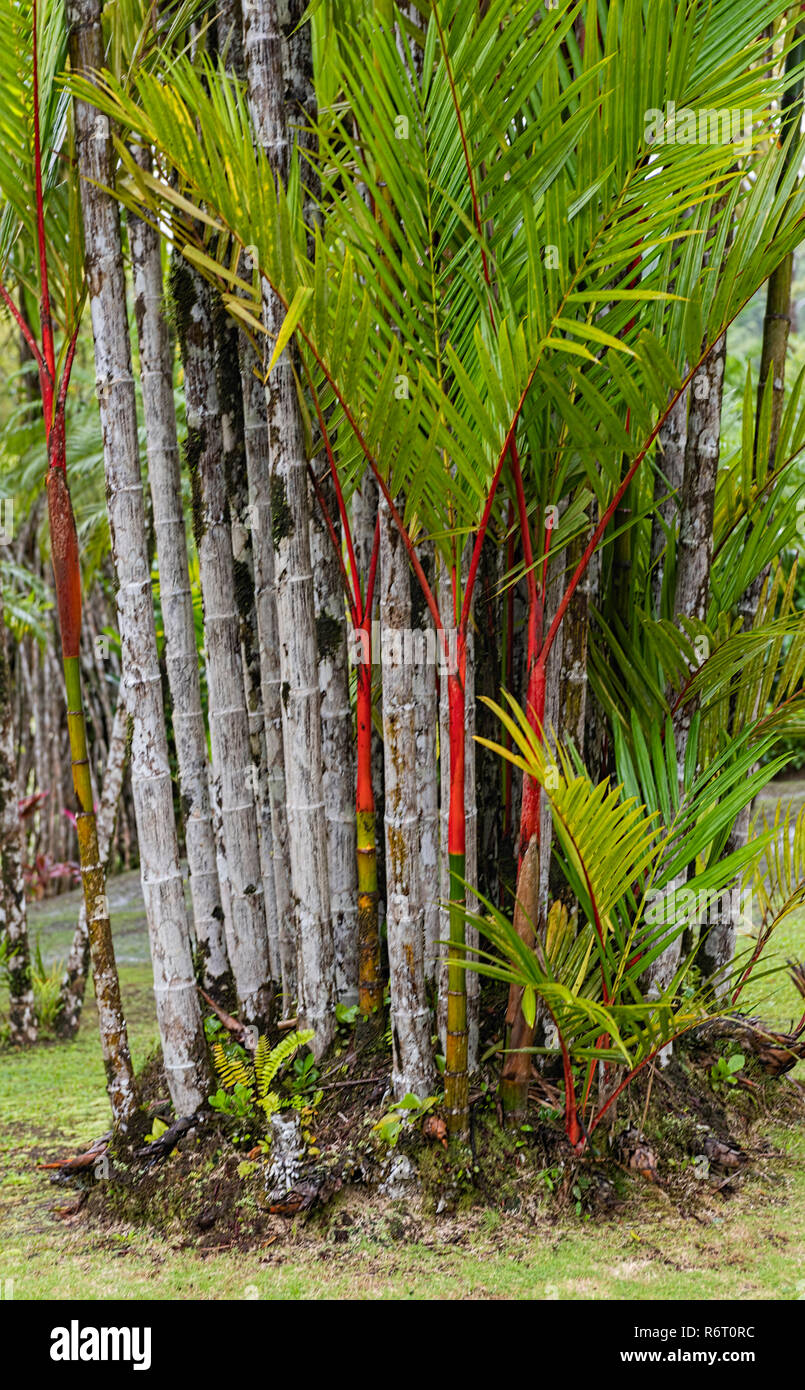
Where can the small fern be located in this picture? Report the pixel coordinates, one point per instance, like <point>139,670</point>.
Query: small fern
<point>268,1060</point>
<point>246,1083</point>
<point>232,1069</point>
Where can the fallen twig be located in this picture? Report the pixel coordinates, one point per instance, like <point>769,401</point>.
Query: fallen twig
<point>363,1081</point>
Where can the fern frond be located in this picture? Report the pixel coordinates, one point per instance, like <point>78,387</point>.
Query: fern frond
<point>267,1061</point>
<point>232,1069</point>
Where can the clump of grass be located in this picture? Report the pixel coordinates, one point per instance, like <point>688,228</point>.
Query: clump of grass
<point>46,983</point>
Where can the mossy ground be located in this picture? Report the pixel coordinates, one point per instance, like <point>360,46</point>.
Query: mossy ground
<point>673,1240</point>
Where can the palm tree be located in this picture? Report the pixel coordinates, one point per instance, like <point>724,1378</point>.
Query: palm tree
<point>619,859</point>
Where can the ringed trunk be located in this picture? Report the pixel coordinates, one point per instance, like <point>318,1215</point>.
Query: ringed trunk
<point>410,1017</point>
<point>13,917</point>
<point>181,657</point>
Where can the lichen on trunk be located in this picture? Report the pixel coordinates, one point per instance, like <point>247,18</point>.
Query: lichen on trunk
<point>181,658</point>
<point>13,916</point>
<point>178,1013</point>
<point>412,1064</point>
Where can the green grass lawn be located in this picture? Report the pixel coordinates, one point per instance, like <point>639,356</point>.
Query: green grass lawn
<point>52,1100</point>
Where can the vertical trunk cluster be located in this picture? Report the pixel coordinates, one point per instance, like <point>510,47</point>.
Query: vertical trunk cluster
<point>426,723</point>
<point>290,522</point>
<point>233,464</point>
<point>177,1005</point>
<point>13,918</point>
<point>365,507</point>
<point>245,440</point>
<point>181,657</point>
<point>265,599</point>
<point>534,873</point>
<point>232,770</point>
<point>412,1061</point>
<point>694,555</point>
<point>338,761</point>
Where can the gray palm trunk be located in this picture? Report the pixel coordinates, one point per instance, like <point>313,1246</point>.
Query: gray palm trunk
<point>338,751</point>
<point>13,916</point>
<point>668,481</point>
<point>694,559</point>
<point>364,506</point>
<point>574,635</point>
<point>265,598</point>
<point>177,1006</point>
<point>445,599</point>
<point>412,1062</point>
<point>232,786</point>
<point>560,663</point>
<point>473,979</point>
<point>244,430</point>
<point>233,462</point>
<point>426,723</point>
<point>695,544</point>
<point>181,656</point>
<point>74,979</point>
<point>290,519</point>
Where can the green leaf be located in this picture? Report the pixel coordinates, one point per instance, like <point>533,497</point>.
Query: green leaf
<point>290,323</point>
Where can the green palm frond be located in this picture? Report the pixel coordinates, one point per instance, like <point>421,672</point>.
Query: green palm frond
<point>26,602</point>
<point>779,879</point>
<point>625,1029</point>
<point>19,263</point>
<point>579,361</point>
<point>618,845</point>
<point>733,677</point>
<point>623,851</point>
